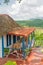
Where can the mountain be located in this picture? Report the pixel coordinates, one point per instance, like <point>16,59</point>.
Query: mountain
<point>31,23</point>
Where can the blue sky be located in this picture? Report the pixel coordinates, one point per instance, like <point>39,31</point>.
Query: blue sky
<point>22,11</point>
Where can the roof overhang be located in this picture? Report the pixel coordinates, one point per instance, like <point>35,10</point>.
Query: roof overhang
<point>23,32</point>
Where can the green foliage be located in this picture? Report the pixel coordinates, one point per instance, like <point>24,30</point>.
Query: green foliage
<point>27,50</point>
<point>39,38</point>
<point>31,23</point>
<point>6,1</point>
<point>10,63</point>
<point>6,50</point>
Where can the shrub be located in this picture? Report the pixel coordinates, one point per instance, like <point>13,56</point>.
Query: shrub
<point>27,50</point>
<point>10,63</point>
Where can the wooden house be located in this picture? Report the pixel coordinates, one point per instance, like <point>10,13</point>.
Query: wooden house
<point>11,33</point>
<point>7,24</point>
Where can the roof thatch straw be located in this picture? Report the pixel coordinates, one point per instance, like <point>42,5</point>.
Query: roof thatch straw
<point>7,24</point>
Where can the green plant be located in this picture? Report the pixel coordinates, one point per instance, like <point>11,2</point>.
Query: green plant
<point>27,50</point>
<point>6,51</point>
<point>10,63</point>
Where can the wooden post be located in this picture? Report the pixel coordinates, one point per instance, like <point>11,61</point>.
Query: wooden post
<point>29,42</point>
<point>2,46</point>
<point>23,46</point>
<point>26,41</point>
<point>34,37</point>
<point>33,40</point>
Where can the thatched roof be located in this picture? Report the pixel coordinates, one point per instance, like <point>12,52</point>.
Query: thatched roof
<point>7,24</point>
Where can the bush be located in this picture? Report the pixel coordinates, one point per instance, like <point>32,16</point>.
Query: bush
<point>6,50</point>
<point>10,63</point>
<point>27,50</point>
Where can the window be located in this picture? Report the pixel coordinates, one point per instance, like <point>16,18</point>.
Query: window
<point>18,38</point>
<point>8,40</point>
<point>14,39</point>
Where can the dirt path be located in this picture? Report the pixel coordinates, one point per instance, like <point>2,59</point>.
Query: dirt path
<point>35,58</point>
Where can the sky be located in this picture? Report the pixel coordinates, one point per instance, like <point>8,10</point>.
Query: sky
<point>25,10</point>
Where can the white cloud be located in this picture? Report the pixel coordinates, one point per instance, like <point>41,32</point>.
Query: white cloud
<point>40,11</point>
<point>30,9</point>
<point>32,2</point>
<point>4,9</point>
<point>40,8</point>
<point>15,8</point>
<point>25,10</point>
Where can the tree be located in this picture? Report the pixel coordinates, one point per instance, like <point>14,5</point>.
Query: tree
<point>19,1</point>
<point>6,1</point>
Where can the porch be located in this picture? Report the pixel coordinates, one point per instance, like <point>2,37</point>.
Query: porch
<point>23,42</point>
